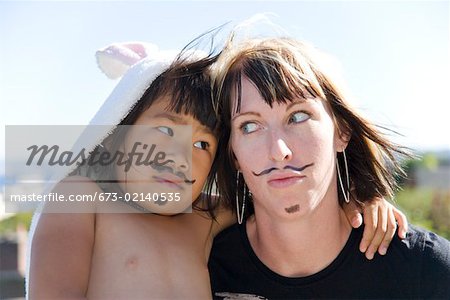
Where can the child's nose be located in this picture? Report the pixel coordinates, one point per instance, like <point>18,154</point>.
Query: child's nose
<point>180,161</point>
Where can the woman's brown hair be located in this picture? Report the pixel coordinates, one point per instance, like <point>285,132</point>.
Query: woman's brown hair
<point>283,70</point>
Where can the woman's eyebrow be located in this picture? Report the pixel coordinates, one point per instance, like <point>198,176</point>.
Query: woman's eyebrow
<point>289,106</point>
<point>244,114</point>
<point>292,104</point>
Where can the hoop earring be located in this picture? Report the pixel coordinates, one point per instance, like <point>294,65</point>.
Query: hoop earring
<point>345,194</point>
<point>240,213</point>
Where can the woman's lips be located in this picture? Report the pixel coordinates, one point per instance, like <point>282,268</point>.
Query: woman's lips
<point>285,181</point>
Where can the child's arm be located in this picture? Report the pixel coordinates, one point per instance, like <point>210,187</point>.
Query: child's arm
<point>61,251</point>
<point>380,223</point>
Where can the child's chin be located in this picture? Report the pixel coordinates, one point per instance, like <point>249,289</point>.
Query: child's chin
<point>170,209</point>
<point>166,215</point>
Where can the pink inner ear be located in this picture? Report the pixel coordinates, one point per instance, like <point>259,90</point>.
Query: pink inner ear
<point>121,53</point>
<point>137,48</point>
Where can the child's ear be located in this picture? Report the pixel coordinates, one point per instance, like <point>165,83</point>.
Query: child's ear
<point>107,142</point>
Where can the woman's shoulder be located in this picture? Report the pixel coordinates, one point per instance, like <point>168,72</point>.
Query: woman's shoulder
<point>425,241</point>
<point>433,253</point>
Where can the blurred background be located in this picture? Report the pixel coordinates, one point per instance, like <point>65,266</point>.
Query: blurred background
<point>394,55</point>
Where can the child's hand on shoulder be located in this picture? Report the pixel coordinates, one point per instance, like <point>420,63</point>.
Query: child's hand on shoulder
<point>380,223</point>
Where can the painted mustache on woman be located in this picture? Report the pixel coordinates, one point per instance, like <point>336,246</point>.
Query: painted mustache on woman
<point>298,169</point>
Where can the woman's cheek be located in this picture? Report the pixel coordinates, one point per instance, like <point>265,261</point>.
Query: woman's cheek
<point>247,150</point>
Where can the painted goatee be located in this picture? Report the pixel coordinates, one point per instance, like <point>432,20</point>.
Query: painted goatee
<point>292,209</point>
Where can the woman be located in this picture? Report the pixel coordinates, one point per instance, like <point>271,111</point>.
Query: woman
<point>297,151</point>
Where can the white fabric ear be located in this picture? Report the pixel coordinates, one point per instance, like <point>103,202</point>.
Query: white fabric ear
<point>115,59</point>
<point>138,64</point>
<point>33,226</point>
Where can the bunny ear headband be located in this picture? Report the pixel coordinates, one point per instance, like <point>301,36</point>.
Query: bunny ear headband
<point>138,64</point>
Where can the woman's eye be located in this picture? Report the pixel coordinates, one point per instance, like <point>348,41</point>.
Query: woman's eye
<point>298,117</point>
<point>166,130</point>
<point>249,127</point>
<point>201,145</point>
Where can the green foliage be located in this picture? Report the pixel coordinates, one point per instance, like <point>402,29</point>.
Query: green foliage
<point>427,208</point>
<point>9,225</point>
<point>430,161</point>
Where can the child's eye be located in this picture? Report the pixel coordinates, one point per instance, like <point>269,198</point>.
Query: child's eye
<point>201,145</point>
<point>298,117</point>
<point>248,127</point>
<point>166,130</point>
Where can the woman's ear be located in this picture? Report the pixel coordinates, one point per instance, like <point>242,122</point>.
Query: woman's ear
<point>235,161</point>
<point>343,138</point>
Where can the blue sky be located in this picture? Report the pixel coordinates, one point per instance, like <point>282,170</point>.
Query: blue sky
<point>395,54</point>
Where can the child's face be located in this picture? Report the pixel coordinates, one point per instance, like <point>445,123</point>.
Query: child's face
<point>188,148</point>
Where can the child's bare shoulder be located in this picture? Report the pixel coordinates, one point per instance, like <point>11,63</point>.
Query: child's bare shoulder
<point>77,184</point>
<point>62,244</point>
<point>70,186</point>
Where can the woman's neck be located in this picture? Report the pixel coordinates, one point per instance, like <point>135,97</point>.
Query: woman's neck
<point>301,247</point>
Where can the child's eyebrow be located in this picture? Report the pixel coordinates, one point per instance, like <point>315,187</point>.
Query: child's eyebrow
<point>206,130</point>
<point>172,117</point>
<point>180,120</point>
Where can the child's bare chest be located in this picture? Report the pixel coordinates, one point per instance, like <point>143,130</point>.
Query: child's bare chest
<point>140,255</point>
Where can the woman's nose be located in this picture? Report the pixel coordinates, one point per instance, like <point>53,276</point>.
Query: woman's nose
<point>280,150</point>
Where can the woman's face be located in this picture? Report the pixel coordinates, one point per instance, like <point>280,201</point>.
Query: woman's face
<point>286,153</point>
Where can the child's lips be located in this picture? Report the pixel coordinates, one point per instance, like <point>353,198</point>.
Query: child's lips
<point>170,180</point>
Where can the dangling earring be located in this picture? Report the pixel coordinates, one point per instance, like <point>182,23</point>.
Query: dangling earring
<point>240,214</point>
<point>346,194</point>
<point>126,182</point>
<point>126,173</point>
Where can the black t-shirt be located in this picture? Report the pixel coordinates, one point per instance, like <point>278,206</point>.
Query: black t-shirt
<point>416,267</point>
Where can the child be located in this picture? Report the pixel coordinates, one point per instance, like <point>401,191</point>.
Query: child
<point>141,255</point>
